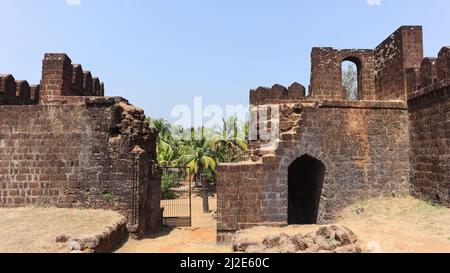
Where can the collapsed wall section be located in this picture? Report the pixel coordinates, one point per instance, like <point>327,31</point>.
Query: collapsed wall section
<point>81,152</point>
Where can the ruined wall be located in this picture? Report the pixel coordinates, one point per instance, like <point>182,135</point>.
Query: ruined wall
<point>382,73</point>
<point>61,78</point>
<point>326,72</point>
<point>363,145</point>
<point>430,144</point>
<point>394,139</point>
<point>427,72</point>
<point>443,64</point>
<point>82,152</point>
<point>277,94</point>
<point>14,92</point>
<point>429,108</point>
<point>76,148</point>
<point>400,52</point>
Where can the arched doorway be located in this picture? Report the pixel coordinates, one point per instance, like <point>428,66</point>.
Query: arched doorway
<point>305,182</point>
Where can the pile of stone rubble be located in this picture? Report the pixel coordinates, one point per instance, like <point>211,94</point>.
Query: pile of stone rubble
<point>328,239</point>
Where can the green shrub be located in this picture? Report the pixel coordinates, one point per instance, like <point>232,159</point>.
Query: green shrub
<point>169,181</point>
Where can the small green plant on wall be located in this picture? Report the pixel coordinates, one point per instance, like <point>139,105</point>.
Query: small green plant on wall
<point>108,197</point>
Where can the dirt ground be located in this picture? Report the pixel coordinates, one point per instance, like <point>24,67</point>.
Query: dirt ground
<point>390,225</point>
<point>34,230</point>
<point>400,225</point>
<point>201,238</point>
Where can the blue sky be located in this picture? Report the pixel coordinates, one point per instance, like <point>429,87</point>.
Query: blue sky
<point>162,53</point>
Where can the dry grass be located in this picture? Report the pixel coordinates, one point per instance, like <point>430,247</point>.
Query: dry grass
<point>34,230</point>
<point>397,225</point>
<point>400,224</point>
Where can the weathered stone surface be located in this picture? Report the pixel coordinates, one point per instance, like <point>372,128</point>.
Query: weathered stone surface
<point>349,249</point>
<point>62,238</point>
<point>365,152</point>
<point>345,236</point>
<point>286,244</point>
<point>322,241</point>
<point>272,241</point>
<point>430,134</point>
<point>105,242</point>
<point>73,245</point>
<point>242,246</point>
<point>394,139</point>
<point>254,249</point>
<point>340,234</point>
<point>300,242</point>
<point>74,148</point>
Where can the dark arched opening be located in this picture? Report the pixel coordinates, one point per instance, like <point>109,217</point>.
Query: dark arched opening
<point>351,78</point>
<point>305,182</point>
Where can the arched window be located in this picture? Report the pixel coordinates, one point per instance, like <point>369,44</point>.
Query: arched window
<point>351,81</point>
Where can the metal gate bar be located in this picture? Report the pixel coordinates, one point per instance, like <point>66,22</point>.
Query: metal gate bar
<point>177,212</point>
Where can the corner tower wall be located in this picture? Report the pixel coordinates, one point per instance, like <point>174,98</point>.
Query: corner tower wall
<point>71,147</point>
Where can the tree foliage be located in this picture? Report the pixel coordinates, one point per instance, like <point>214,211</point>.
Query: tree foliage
<point>200,150</point>
<point>350,80</point>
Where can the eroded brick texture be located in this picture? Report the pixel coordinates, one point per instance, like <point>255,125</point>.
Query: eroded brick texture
<point>82,150</point>
<point>401,51</point>
<point>326,72</point>
<point>395,139</point>
<point>14,92</point>
<point>364,147</point>
<point>61,78</point>
<point>382,71</point>
<point>277,94</point>
<point>430,138</point>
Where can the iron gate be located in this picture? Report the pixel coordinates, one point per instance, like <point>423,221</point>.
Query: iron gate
<point>177,197</point>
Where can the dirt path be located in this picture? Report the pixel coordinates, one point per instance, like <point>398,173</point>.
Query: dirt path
<point>393,225</point>
<point>201,238</point>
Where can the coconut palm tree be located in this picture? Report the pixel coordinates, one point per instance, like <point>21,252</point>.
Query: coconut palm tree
<point>198,156</point>
<point>230,147</point>
<point>167,150</point>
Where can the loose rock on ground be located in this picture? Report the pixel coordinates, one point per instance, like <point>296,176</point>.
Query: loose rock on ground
<point>328,239</point>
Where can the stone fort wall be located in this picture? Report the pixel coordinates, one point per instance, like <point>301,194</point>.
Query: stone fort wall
<point>429,108</point>
<point>394,139</point>
<point>363,145</point>
<point>67,145</point>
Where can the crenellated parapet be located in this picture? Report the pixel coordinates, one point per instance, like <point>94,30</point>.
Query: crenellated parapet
<point>431,76</point>
<point>62,78</point>
<point>443,64</point>
<point>77,79</point>
<point>428,72</point>
<point>14,92</point>
<point>81,146</point>
<point>277,94</point>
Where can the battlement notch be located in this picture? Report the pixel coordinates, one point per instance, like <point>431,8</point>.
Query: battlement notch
<point>61,78</point>
<point>277,94</point>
